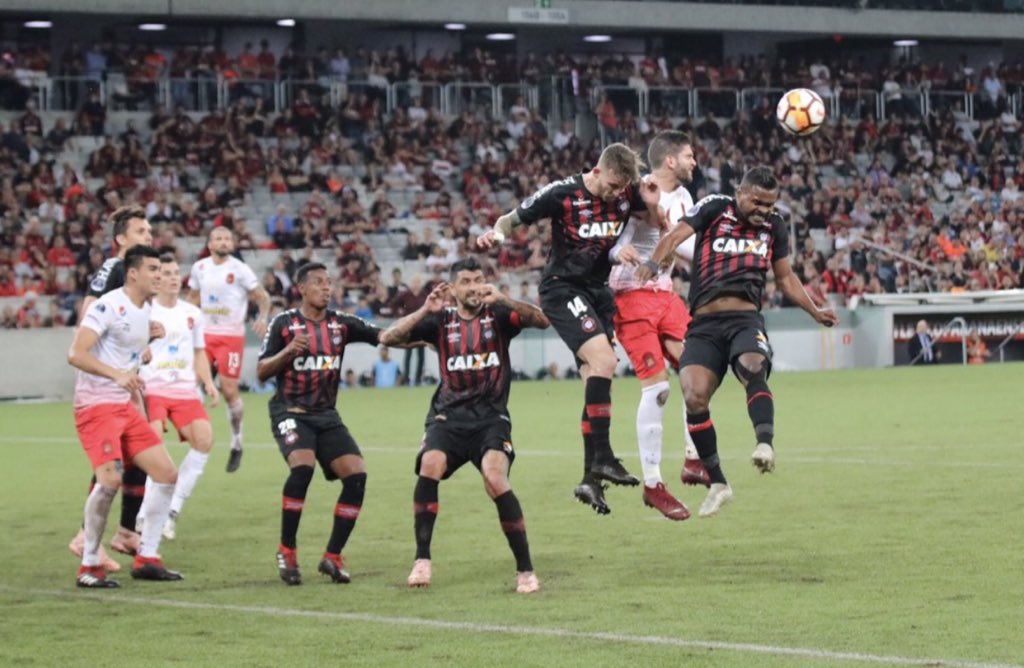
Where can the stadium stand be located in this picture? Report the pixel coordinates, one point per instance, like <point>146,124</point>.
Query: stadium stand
<point>388,167</point>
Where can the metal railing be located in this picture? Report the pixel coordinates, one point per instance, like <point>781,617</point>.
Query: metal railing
<point>1009,337</point>
<point>901,256</point>
<point>721,102</point>
<point>752,98</point>
<point>405,93</point>
<point>558,98</point>
<point>959,320</point>
<point>506,96</point>
<point>856,103</point>
<point>670,101</point>
<point>474,97</point>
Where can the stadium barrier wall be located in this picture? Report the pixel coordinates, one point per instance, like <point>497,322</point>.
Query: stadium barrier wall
<point>34,364</point>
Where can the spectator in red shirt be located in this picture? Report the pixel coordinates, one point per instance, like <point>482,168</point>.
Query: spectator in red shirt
<point>59,254</point>
<point>8,286</point>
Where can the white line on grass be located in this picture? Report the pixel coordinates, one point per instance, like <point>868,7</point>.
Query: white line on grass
<point>784,457</point>
<point>511,630</point>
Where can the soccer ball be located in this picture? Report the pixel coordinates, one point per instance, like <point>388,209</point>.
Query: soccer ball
<point>800,112</point>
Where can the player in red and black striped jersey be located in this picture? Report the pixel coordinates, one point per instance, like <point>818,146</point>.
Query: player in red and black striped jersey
<point>588,212</point>
<point>468,419</point>
<point>738,241</point>
<point>128,228</point>
<point>302,350</point>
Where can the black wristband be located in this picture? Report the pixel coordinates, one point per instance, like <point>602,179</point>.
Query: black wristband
<point>653,266</point>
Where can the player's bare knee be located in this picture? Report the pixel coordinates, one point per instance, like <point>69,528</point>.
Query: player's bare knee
<point>697,402</point>
<point>433,464</point>
<point>347,465</point>
<point>109,477</point>
<point>496,483</point>
<point>201,437</point>
<point>752,371</point>
<point>602,366</point>
<point>164,475</point>
<point>229,388</point>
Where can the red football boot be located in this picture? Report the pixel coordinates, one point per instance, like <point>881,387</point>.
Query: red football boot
<point>668,505</point>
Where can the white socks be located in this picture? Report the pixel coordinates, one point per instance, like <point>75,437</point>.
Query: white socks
<point>235,412</point>
<point>155,509</point>
<point>188,475</point>
<point>97,508</point>
<point>649,431</point>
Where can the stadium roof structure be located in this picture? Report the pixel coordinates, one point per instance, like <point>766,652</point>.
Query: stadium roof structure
<point>606,14</point>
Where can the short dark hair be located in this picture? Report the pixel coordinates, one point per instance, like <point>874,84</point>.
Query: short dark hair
<point>664,144</point>
<point>760,177</point>
<point>209,234</point>
<point>302,272</point>
<point>136,254</point>
<point>167,258</point>
<point>465,264</point>
<point>119,219</point>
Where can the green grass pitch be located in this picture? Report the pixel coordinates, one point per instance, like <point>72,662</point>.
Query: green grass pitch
<point>890,533</point>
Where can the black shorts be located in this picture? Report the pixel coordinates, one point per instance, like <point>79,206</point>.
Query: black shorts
<point>578,313</point>
<point>467,442</point>
<point>324,433</point>
<point>715,340</point>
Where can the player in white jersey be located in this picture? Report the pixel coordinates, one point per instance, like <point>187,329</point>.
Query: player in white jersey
<point>172,380</point>
<point>128,228</point>
<point>651,319</point>
<point>221,286</point>
<point>107,350</point>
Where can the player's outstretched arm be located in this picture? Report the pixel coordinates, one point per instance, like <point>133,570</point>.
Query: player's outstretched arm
<point>529,315</point>
<point>400,330</point>
<point>664,251</point>
<point>502,228</point>
<point>193,297</point>
<point>789,284</point>
<point>80,356</point>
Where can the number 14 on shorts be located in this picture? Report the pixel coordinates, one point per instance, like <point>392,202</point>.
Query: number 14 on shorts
<point>577,307</point>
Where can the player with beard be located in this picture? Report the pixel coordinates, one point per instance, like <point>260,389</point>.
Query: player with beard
<point>738,241</point>
<point>221,286</point>
<point>651,319</point>
<point>129,228</point>
<point>302,351</point>
<point>106,351</point>
<point>588,212</point>
<point>468,419</point>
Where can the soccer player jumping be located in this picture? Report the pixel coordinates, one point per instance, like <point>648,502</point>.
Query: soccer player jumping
<point>468,419</point>
<point>737,242</point>
<point>651,319</point>
<point>588,212</point>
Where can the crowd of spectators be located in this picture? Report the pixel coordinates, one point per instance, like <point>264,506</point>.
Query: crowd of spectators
<point>908,204</point>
